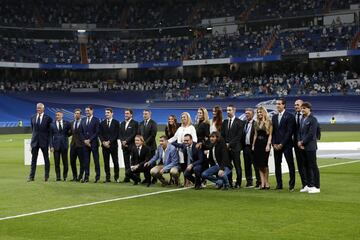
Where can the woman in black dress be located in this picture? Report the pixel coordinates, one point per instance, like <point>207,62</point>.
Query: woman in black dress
<point>171,126</point>
<point>262,144</point>
<point>202,125</point>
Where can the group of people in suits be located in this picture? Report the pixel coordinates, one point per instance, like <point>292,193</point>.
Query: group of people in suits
<point>203,151</point>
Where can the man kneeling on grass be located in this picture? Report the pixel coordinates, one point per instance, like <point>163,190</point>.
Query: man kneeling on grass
<point>167,161</point>
<point>219,162</point>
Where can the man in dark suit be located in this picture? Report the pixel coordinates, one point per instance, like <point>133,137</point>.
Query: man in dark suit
<point>232,130</point>
<point>220,165</point>
<point>148,129</point>
<point>60,131</point>
<point>299,157</point>
<point>76,147</point>
<point>140,154</point>
<point>89,135</point>
<point>194,158</point>
<point>40,126</point>
<point>307,143</point>
<point>247,141</point>
<point>283,127</point>
<point>109,133</point>
<point>128,130</point>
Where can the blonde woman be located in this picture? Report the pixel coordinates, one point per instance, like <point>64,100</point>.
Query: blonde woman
<point>262,144</point>
<point>185,128</point>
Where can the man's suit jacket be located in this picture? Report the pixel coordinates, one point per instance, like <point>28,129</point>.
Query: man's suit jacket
<point>40,133</point>
<point>75,132</point>
<point>90,131</point>
<point>171,158</point>
<point>197,154</point>
<point>296,128</point>
<point>252,133</point>
<point>60,139</point>
<point>308,133</point>
<point>145,155</point>
<point>129,133</point>
<point>149,133</point>
<point>111,133</point>
<point>221,155</point>
<point>282,134</point>
<point>233,135</point>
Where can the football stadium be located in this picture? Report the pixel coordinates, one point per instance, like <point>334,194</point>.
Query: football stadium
<point>179,119</point>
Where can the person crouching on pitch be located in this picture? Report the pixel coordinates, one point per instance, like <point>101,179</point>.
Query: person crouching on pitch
<point>167,161</point>
<point>220,166</point>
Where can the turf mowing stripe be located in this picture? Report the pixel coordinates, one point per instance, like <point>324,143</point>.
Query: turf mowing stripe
<point>131,197</point>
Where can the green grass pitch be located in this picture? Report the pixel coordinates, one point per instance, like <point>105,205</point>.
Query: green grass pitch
<point>185,214</point>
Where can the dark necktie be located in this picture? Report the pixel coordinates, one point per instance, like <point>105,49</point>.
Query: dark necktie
<point>229,124</point>
<point>246,127</point>
<point>38,120</point>
<point>108,123</point>
<point>298,120</point>
<point>77,124</point>
<point>60,127</point>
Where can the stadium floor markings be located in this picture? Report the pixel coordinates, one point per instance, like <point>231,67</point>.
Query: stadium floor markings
<point>131,197</point>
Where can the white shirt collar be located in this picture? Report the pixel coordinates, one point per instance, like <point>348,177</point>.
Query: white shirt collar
<point>282,113</point>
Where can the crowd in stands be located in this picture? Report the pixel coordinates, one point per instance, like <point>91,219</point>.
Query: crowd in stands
<point>156,13</point>
<point>39,51</point>
<point>315,39</point>
<point>242,44</point>
<point>320,83</point>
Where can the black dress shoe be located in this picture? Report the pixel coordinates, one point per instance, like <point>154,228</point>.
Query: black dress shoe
<point>278,188</point>
<point>144,181</point>
<point>96,181</point>
<point>136,183</point>
<point>154,180</point>
<point>58,180</point>
<point>46,179</point>
<point>126,180</point>
<point>148,184</point>
<point>64,180</point>
<point>237,185</point>
<point>85,180</point>
<point>73,180</point>
<point>30,179</point>
<point>291,189</point>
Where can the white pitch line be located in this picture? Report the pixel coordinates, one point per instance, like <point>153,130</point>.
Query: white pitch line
<point>129,197</point>
<point>92,203</point>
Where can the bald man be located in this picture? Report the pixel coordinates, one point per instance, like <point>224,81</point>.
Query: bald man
<point>40,126</point>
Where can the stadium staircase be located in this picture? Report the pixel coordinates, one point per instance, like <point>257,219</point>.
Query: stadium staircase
<point>84,53</point>
<point>124,16</point>
<point>245,14</point>
<point>269,43</point>
<point>355,41</point>
<point>328,6</point>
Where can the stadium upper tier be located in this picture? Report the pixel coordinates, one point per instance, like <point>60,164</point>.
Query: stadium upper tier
<point>154,13</point>
<point>271,40</point>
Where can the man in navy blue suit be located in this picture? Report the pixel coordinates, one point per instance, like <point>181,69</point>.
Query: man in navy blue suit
<point>89,135</point>
<point>40,126</point>
<point>283,127</point>
<point>60,130</point>
<point>194,158</point>
<point>307,143</point>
